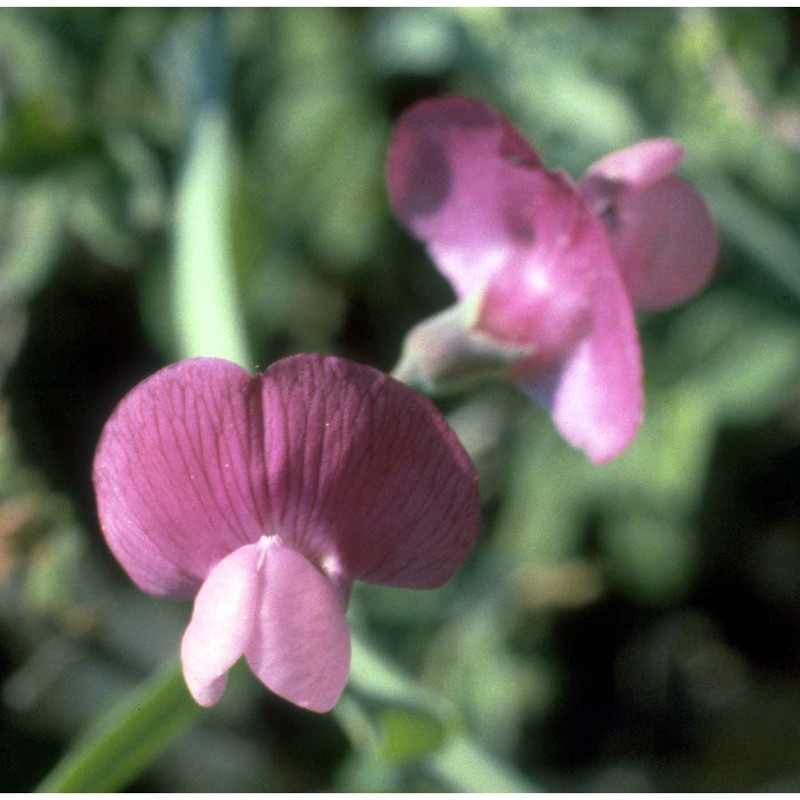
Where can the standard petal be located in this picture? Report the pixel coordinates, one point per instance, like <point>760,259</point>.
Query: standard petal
<point>665,243</point>
<point>366,477</point>
<point>463,181</point>
<point>300,643</point>
<point>226,610</point>
<point>596,396</point>
<point>179,474</point>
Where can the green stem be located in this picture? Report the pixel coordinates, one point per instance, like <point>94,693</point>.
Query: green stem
<point>124,742</point>
<point>208,321</point>
<point>128,738</point>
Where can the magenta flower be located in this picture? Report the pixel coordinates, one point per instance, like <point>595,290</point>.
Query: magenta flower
<point>266,497</point>
<point>547,272</point>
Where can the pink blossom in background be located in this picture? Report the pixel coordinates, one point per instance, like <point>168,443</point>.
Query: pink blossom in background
<point>547,273</point>
<point>664,240</point>
<point>265,497</point>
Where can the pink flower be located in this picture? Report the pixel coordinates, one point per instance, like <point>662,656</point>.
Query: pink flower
<point>266,497</point>
<point>547,272</point>
<point>663,237</point>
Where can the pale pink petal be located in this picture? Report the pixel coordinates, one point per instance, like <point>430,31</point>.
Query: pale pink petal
<point>271,604</point>
<point>665,243</point>
<point>639,165</point>
<point>464,181</point>
<point>596,396</point>
<point>365,475</point>
<point>300,643</point>
<point>542,297</point>
<point>179,474</point>
<point>226,610</point>
<point>664,239</point>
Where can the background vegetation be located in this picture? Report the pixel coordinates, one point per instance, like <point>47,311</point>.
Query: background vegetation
<point>631,627</point>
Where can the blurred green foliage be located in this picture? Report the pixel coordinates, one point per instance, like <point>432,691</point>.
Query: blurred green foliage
<point>628,628</point>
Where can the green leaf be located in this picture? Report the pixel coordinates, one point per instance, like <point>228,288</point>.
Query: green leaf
<point>414,721</point>
<point>771,243</point>
<point>408,734</point>
<point>467,767</point>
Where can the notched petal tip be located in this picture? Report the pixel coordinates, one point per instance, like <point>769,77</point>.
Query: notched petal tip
<point>371,473</point>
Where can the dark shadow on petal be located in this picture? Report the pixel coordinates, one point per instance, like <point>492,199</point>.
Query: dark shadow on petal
<point>519,222</point>
<point>428,181</point>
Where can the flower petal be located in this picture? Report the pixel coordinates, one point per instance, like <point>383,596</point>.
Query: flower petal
<point>663,236</point>
<point>639,165</point>
<point>225,611</point>
<point>365,475</point>
<point>179,474</point>
<point>300,644</point>
<point>542,297</point>
<point>463,181</point>
<point>665,243</point>
<point>596,396</point>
